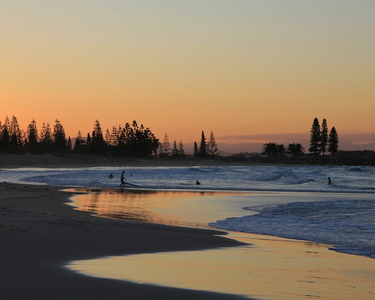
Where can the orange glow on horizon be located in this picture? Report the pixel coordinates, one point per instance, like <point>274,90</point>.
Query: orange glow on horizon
<point>180,68</point>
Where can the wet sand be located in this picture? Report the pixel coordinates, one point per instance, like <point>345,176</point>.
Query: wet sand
<point>268,268</point>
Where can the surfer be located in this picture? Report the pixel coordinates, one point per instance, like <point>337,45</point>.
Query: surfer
<point>197,182</point>
<point>329,181</point>
<point>122,178</point>
<point>110,176</point>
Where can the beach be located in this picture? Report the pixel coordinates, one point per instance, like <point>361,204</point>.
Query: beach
<point>41,236</point>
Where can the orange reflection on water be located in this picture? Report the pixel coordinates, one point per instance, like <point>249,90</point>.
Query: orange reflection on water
<point>161,207</point>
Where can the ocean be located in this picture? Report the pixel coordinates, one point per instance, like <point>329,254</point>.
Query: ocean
<point>292,202</point>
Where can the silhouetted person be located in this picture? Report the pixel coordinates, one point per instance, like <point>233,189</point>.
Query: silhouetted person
<point>329,181</point>
<point>110,176</point>
<point>122,178</point>
<point>197,182</point>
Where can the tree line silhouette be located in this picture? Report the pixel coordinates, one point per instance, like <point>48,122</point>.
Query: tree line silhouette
<point>130,140</point>
<point>207,149</point>
<point>138,141</point>
<point>320,143</point>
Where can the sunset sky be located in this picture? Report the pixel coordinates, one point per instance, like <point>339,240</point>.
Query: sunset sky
<point>241,68</point>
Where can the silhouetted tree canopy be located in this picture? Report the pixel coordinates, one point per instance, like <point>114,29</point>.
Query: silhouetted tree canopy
<point>333,142</point>
<point>295,149</point>
<point>271,149</point>
<point>5,139</point>
<point>69,144</point>
<point>196,151</point>
<point>202,152</point>
<point>324,137</point>
<point>181,149</point>
<point>46,138</point>
<point>165,147</point>
<point>212,147</point>
<point>315,137</point>
<point>97,143</point>
<point>319,139</point>
<point>15,134</point>
<point>175,150</point>
<point>80,145</point>
<point>59,138</point>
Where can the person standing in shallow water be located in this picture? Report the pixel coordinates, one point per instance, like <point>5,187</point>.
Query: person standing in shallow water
<point>123,178</point>
<point>329,181</point>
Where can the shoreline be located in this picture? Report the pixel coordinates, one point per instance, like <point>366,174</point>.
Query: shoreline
<point>40,234</point>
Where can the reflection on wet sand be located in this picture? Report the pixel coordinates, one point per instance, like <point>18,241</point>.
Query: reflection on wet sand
<point>274,268</point>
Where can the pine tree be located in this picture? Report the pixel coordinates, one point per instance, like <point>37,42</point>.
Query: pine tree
<point>69,144</point>
<point>114,136</point>
<point>79,144</point>
<point>32,136</point>
<point>46,138</point>
<point>165,149</point>
<point>333,142</point>
<point>315,137</point>
<point>88,140</point>
<point>97,144</point>
<point>324,137</point>
<point>15,135</point>
<point>59,138</point>
<point>175,152</point>
<point>181,149</point>
<point>4,136</point>
<point>196,151</point>
<point>212,146</point>
<point>203,147</point>
<point>107,137</point>
<point>5,139</point>
<point>121,139</point>
<point>7,124</point>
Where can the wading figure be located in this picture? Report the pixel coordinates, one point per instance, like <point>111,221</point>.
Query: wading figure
<point>123,178</point>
